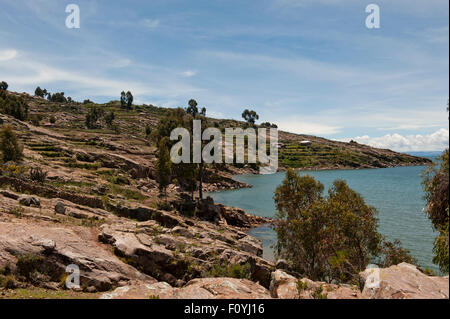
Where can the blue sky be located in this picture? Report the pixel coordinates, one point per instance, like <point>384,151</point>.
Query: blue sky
<point>311,66</point>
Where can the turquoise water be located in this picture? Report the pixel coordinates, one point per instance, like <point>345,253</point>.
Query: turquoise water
<point>396,193</point>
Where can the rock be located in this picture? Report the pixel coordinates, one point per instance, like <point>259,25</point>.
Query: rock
<point>405,281</point>
<point>251,245</point>
<point>60,247</point>
<point>9,194</point>
<point>60,208</point>
<point>29,201</point>
<point>282,264</point>
<point>91,289</point>
<point>204,288</point>
<point>285,286</point>
<point>78,215</point>
<point>206,210</point>
<point>239,218</point>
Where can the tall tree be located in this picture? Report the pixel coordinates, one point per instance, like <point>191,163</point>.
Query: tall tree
<point>130,99</point>
<point>39,92</point>
<point>250,116</point>
<point>436,186</point>
<point>123,99</point>
<point>329,238</point>
<point>192,108</point>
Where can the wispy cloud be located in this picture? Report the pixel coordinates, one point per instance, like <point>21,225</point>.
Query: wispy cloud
<point>189,73</point>
<point>25,71</point>
<point>150,23</point>
<point>6,55</point>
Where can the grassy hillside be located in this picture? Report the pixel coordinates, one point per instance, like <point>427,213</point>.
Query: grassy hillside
<point>128,134</point>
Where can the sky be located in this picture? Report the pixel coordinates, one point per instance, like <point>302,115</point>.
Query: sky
<point>310,66</point>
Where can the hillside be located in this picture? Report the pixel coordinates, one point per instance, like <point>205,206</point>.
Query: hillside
<point>96,204</point>
<point>129,129</point>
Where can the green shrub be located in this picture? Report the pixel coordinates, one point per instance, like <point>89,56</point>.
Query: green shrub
<point>13,105</point>
<point>234,271</point>
<point>38,175</point>
<point>8,282</point>
<point>29,264</point>
<point>9,145</point>
<point>318,293</point>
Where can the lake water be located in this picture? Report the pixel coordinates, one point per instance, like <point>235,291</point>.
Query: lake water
<point>396,193</point>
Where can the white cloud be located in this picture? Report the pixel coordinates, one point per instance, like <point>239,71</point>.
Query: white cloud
<point>150,23</point>
<point>189,73</point>
<point>436,141</point>
<point>6,55</point>
<point>27,71</point>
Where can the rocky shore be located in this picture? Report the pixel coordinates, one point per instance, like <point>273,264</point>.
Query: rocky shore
<point>96,205</point>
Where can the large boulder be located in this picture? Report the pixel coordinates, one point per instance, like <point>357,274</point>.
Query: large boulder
<point>404,281</point>
<point>285,286</point>
<point>58,247</point>
<point>29,201</point>
<point>203,288</point>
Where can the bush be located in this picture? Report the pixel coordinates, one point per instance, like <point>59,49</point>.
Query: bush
<point>58,97</point>
<point>109,119</point>
<point>3,86</point>
<point>38,175</point>
<point>13,105</point>
<point>8,282</point>
<point>35,119</point>
<point>28,264</point>
<point>93,116</point>
<point>9,145</point>
<point>234,271</point>
<point>52,119</point>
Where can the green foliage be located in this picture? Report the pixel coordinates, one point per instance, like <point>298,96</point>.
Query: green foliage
<point>233,271</point>
<point>58,97</point>
<point>318,293</point>
<point>436,186</point>
<point>9,145</point>
<point>3,86</point>
<point>52,119</point>
<point>39,92</point>
<point>93,116</point>
<point>328,238</point>
<point>13,105</point>
<point>394,254</point>
<point>192,109</point>
<point>38,175</point>
<point>126,99</point>
<point>29,264</point>
<point>301,286</point>
<point>109,119</point>
<point>7,281</point>
<point>250,116</point>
